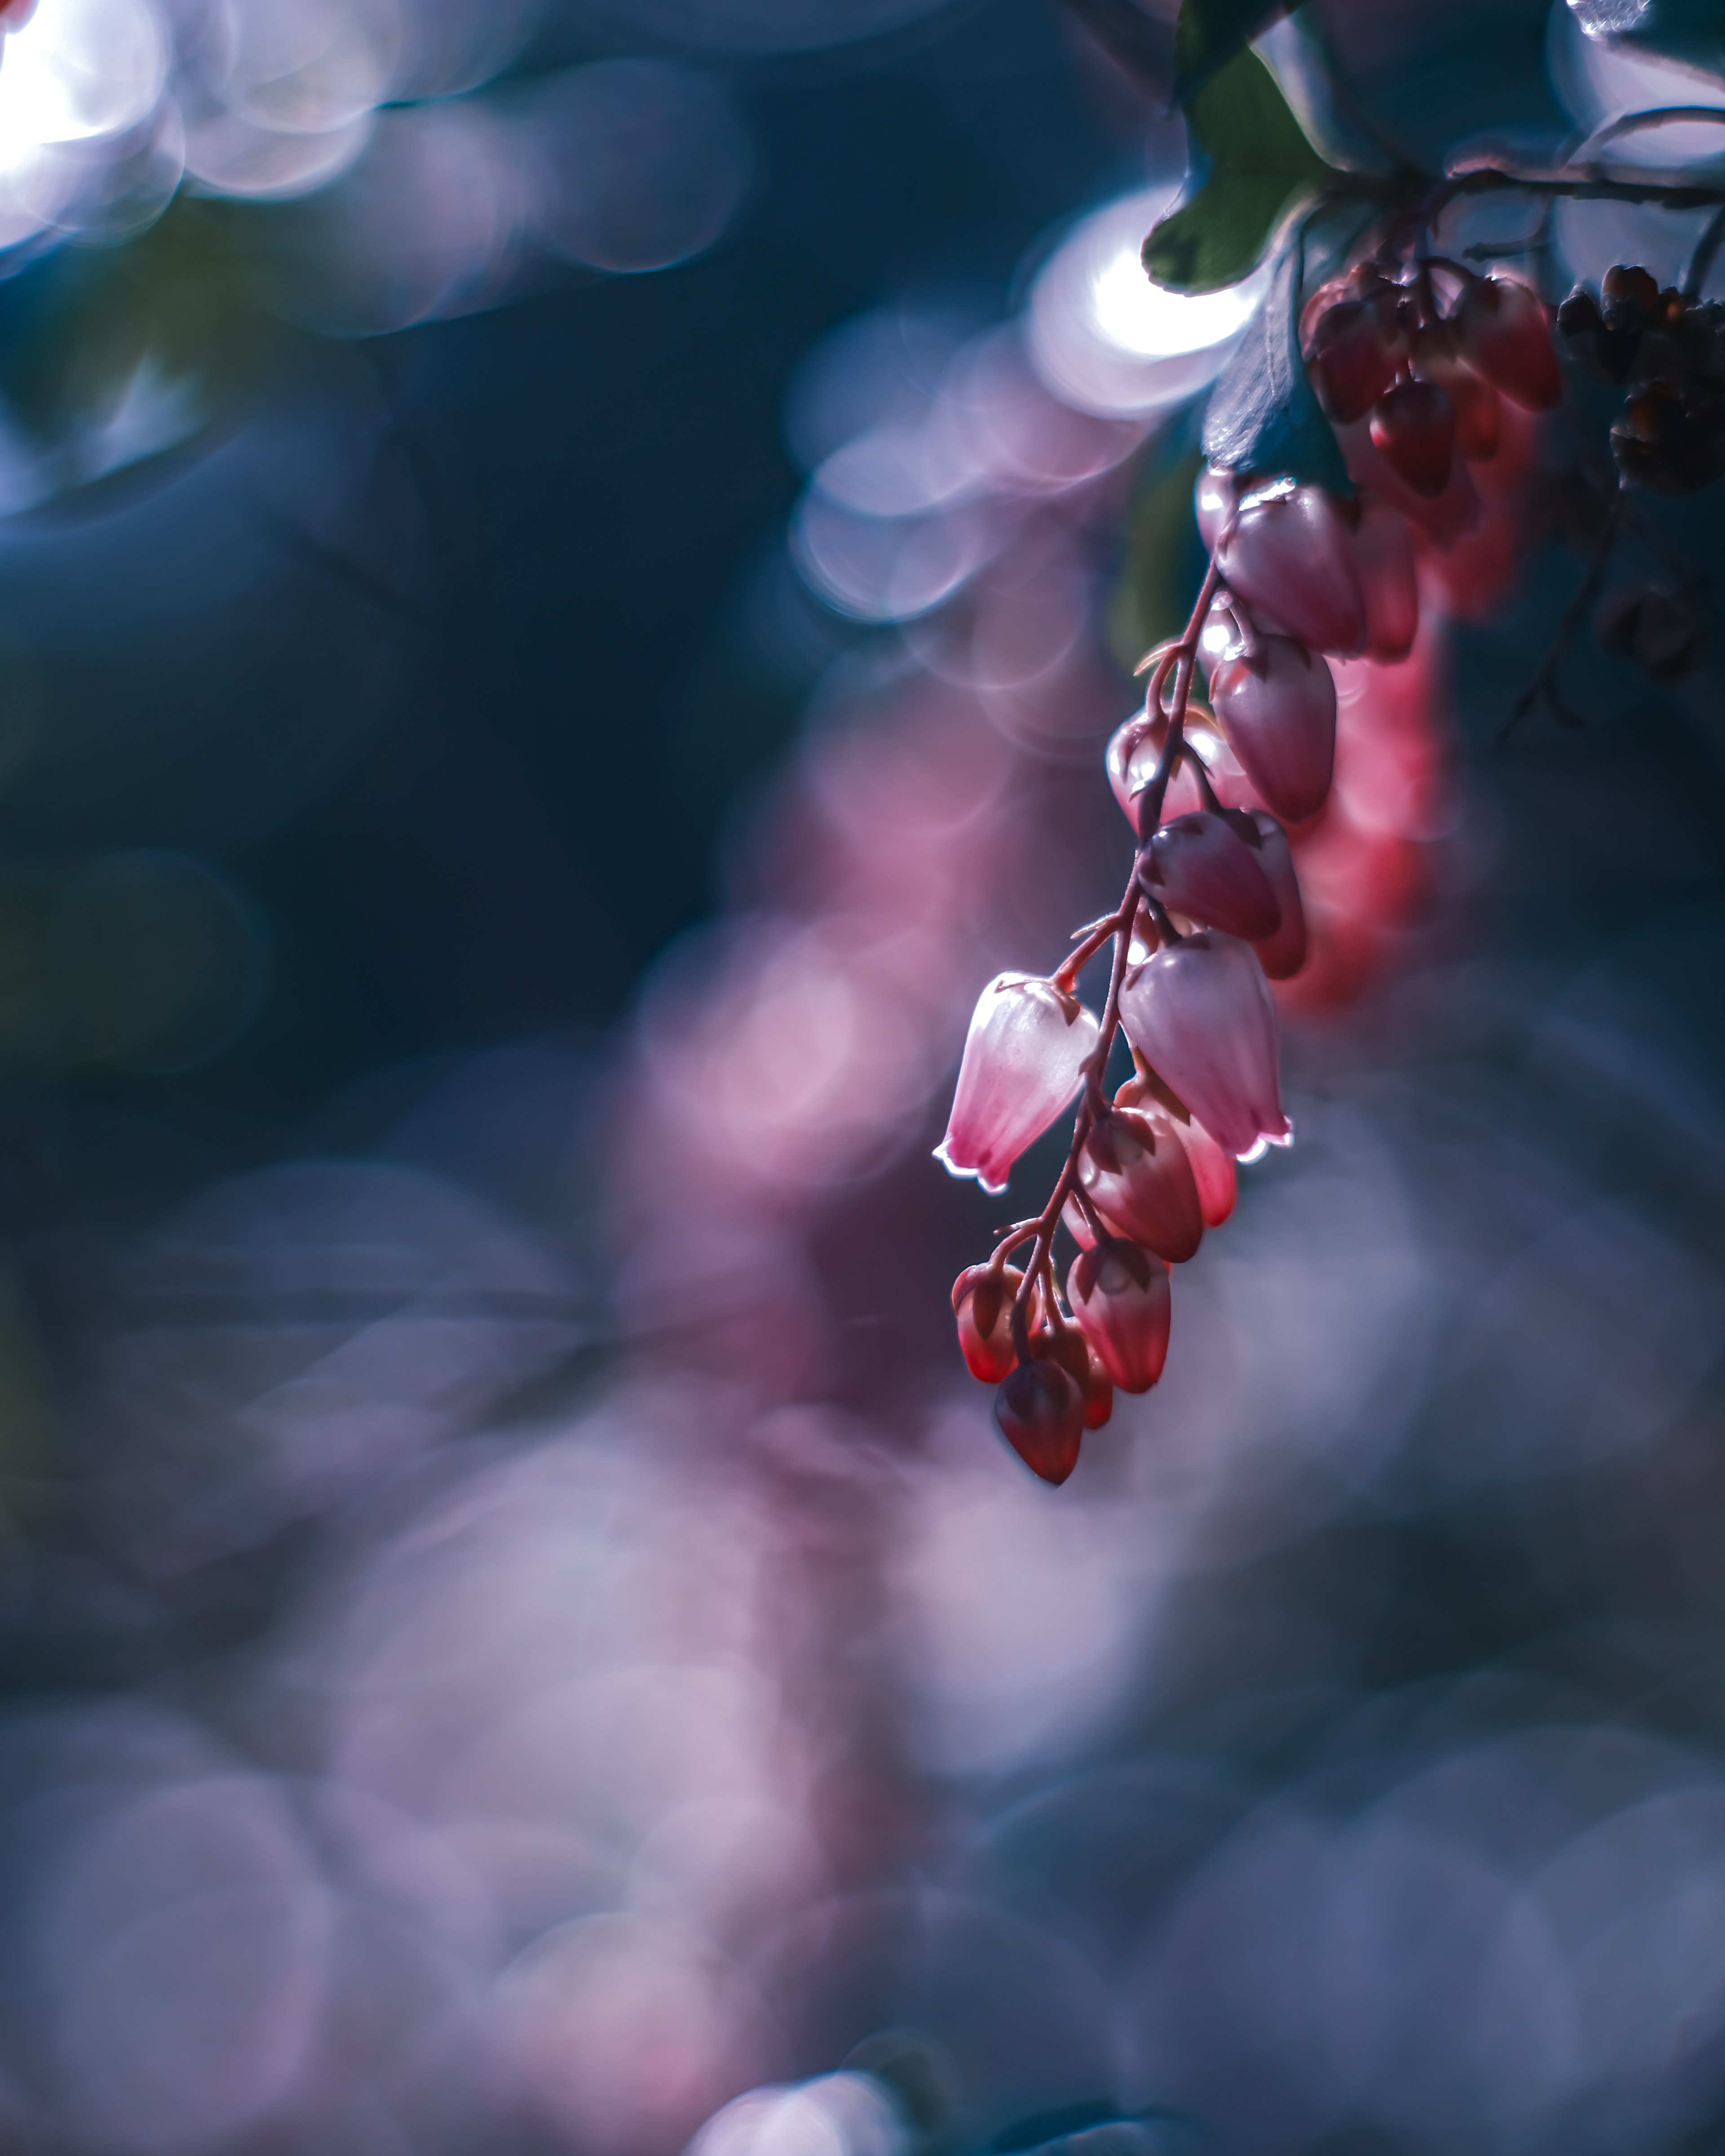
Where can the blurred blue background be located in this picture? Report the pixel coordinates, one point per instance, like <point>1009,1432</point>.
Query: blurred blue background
<point>564,574</point>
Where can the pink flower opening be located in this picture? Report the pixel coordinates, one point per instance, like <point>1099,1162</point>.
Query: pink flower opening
<point>1023,1060</point>
<point>1201,1011</point>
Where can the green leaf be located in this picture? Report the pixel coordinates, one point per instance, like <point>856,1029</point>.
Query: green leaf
<point>1258,166</point>
<point>1691,32</point>
<point>1163,563</point>
<point>1210,33</point>
<point>1263,416</point>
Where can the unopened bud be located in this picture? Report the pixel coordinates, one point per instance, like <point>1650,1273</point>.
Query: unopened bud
<point>1201,866</point>
<point>1120,1297</point>
<point>1039,1411</point>
<point>1135,1172</point>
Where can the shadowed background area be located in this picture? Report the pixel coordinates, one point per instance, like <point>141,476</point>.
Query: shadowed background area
<point>564,575</point>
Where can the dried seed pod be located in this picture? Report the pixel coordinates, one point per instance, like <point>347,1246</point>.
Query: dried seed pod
<point>1503,330</point>
<point>1664,636</point>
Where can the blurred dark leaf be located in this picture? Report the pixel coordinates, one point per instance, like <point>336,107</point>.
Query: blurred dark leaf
<point>1135,42</point>
<point>1211,32</point>
<point>179,300</point>
<point>1044,2126</point>
<point>1098,2127</point>
<point>1163,564</point>
<point>1258,166</point>
<point>1263,415</point>
<point>1689,31</point>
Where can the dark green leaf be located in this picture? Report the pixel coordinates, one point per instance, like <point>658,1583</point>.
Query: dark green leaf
<point>1691,32</point>
<point>1208,34</point>
<point>1259,165</point>
<point>1163,562</point>
<point>1263,416</point>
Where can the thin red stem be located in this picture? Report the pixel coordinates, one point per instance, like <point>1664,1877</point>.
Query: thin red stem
<point>1183,655</point>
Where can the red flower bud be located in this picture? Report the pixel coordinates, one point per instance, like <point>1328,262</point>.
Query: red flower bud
<point>1278,708</point>
<point>1041,1412</point>
<point>1212,1169</point>
<point>1024,1057</point>
<point>1478,420</point>
<point>1384,559</point>
<point>1356,349</point>
<point>1288,558</point>
<point>1201,866</point>
<point>1201,1012</point>
<point>1068,1347</point>
<point>1119,1295</point>
<point>1284,953</point>
<point>1135,1172</point>
<point>1414,431</point>
<point>1503,330</point>
<point>1213,1172</point>
<point>982,1301</point>
<point>1452,515</point>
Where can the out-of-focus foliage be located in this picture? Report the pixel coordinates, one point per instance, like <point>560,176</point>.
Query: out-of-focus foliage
<point>1257,166</point>
<point>1263,414</point>
<point>1210,35</point>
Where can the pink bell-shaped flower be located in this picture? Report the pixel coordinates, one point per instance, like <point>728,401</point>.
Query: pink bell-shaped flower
<point>1281,955</point>
<point>1202,866</point>
<point>1213,1172</point>
<point>1135,1172</point>
<point>1040,1412</point>
<point>1288,558</point>
<point>1201,1013</point>
<point>1383,552</point>
<point>1119,1295</point>
<point>1212,1168</point>
<point>1024,1058</point>
<point>1278,707</point>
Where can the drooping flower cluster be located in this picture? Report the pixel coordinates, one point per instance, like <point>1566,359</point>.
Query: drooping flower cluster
<point>1410,365</point>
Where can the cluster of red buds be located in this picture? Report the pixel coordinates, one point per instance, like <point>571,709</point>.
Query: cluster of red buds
<point>1409,368</point>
